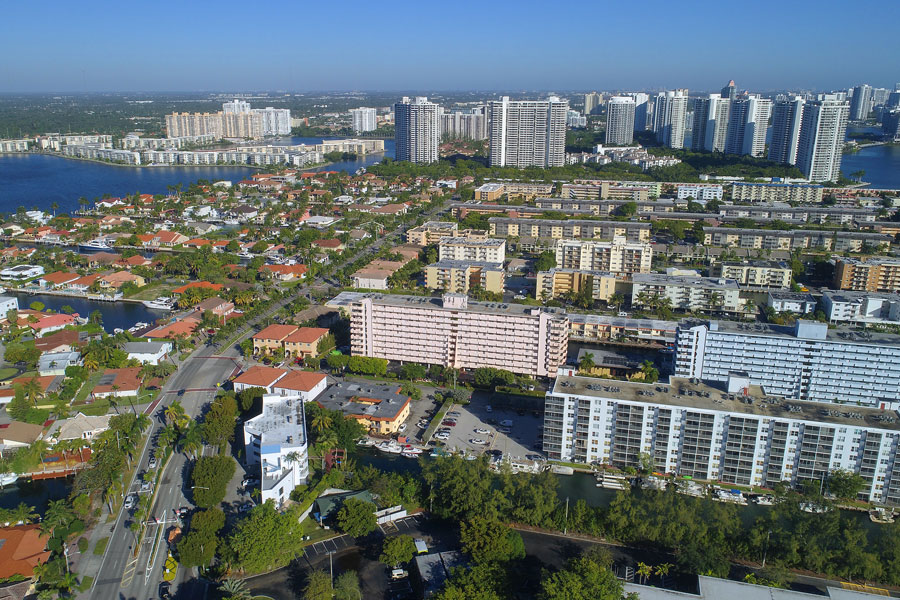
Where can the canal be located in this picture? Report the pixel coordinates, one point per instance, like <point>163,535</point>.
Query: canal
<point>116,315</point>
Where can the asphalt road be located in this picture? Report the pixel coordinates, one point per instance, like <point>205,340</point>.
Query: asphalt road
<point>124,575</point>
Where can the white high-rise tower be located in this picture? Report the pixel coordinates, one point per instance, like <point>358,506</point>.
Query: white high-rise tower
<point>620,120</point>
<point>363,119</point>
<point>528,133</point>
<point>787,116</point>
<point>822,132</point>
<point>669,114</point>
<point>747,124</point>
<point>417,130</point>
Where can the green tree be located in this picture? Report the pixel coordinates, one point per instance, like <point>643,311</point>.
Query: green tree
<point>397,550</point>
<point>265,539</point>
<point>210,478</point>
<point>218,423</point>
<point>584,578</point>
<point>844,484</point>
<point>357,517</point>
<point>234,589</point>
<point>488,540</point>
<point>346,586</point>
<point>545,262</point>
<point>318,586</point>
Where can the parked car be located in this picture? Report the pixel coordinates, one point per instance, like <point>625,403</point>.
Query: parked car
<point>146,486</point>
<point>449,423</point>
<point>249,482</point>
<point>481,431</point>
<point>130,501</point>
<point>181,512</point>
<point>534,457</point>
<point>478,442</point>
<point>453,413</point>
<point>402,428</point>
<point>153,463</point>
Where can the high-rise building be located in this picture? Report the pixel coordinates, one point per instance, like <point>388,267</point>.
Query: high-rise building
<point>893,100</point>
<point>822,132</point>
<point>465,125</point>
<point>236,119</point>
<point>236,106</point>
<point>618,256</point>
<point>363,119</point>
<point>591,103</point>
<point>729,91</point>
<point>194,124</point>
<point>890,124</point>
<point>669,114</point>
<point>880,96</point>
<point>786,118</point>
<point>528,133</point>
<point>861,103</point>
<point>273,121</point>
<point>710,123</point>
<point>747,124</point>
<point>620,113</point>
<point>575,119</point>
<point>642,111</point>
<point>417,126</point>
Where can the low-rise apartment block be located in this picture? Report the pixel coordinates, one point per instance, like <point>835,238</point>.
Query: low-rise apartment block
<point>460,276</point>
<point>601,190</point>
<point>702,192</point>
<point>618,256</point>
<point>558,282</point>
<point>472,250</point>
<point>299,342</point>
<point>780,211</point>
<point>606,329</point>
<point>453,331</point>
<point>489,192</point>
<point>572,229</point>
<point>800,303</point>
<point>606,208</point>
<point>704,294</point>
<point>807,361</point>
<point>380,408</point>
<point>275,442</point>
<point>861,307</point>
<point>875,274</point>
<point>756,273</point>
<point>805,193</point>
<point>734,432</point>
<point>431,232</point>
<point>836,241</point>
<point>376,274</point>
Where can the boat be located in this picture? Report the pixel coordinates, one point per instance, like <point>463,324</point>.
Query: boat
<point>161,303</point>
<point>408,454</point>
<point>96,245</point>
<point>690,488</point>
<point>118,330</point>
<point>365,442</point>
<point>390,447</point>
<point>412,449</point>
<point>879,514</point>
<point>137,326</point>
<point>8,478</point>
<point>562,470</point>
<point>654,483</point>
<point>734,496</point>
<point>814,508</point>
<point>764,500</point>
<point>611,481</point>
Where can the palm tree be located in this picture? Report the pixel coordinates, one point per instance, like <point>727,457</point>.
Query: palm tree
<point>644,571</point>
<point>616,300</point>
<point>191,442</point>
<point>54,207</point>
<point>69,580</point>
<point>642,298</point>
<point>321,422</point>
<point>91,363</point>
<point>33,390</point>
<point>23,514</point>
<point>663,569</point>
<point>587,362</point>
<point>649,372</point>
<point>58,514</point>
<point>168,435</point>
<point>175,414</point>
<point>716,300</point>
<point>235,589</point>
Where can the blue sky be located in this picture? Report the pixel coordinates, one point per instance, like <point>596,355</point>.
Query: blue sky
<point>162,45</point>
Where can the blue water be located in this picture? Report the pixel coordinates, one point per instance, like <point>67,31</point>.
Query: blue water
<point>350,166</point>
<point>116,315</point>
<point>881,164</point>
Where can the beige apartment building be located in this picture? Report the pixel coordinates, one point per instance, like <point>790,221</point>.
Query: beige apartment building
<point>433,232</point>
<point>836,241</point>
<point>776,192</point>
<point>602,328</point>
<point>459,276</point>
<point>571,229</point>
<point>756,273</point>
<point>601,190</point>
<point>706,294</point>
<point>618,256</point>
<point>606,208</point>
<point>472,250</point>
<point>454,331</point>
<point>875,274</point>
<point>557,282</point>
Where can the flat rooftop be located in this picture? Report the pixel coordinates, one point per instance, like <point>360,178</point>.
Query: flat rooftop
<point>718,283</point>
<point>462,264</point>
<point>564,222</point>
<point>465,241</point>
<point>345,299</point>
<point>372,400</point>
<point>282,421</point>
<point>789,295</point>
<point>769,264</point>
<point>846,335</point>
<point>850,296</point>
<point>682,393</point>
<point>799,233</point>
<point>624,322</point>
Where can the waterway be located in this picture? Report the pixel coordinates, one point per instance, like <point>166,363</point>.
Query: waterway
<point>116,315</point>
<point>349,166</point>
<point>34,493</point>
<point>881,164</point>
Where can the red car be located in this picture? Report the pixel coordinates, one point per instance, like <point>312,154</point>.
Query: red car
<point>449,423</point>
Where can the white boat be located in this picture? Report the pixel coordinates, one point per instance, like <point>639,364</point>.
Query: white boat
<point>97,244</point>
<point>562,470</point>
<point>611,481</point>
<point>690,488</point>
<point>408,454</point>
<point>365,442</point>
<point>765,500</point>
<point>813,508</point>
<point>733,496</point>
<point>412,449</point>
<point>879,514</point>
<point>8,478</point>
<point>161,303</point>
<point>137,326</point>
<point>654,483</point>
<point>118,330</point>
<point>390,447</point>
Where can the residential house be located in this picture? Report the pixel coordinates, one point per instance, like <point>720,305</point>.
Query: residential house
<point>148,352</point>
<point>118,383</point>
<point>82,427</point>
<point>134,261</point>
<point>330,244</point>
<point>216,287</point>
<point>258,376</point>
<point>272,337</point>
<point>19,435</point>
<point>119,278</point>
<point>181,328</point>
<point>83,284</point>
<point>22,549</point>
<point>65,340</point>
<point>216,305</point>
<point>49,323</point>
<point>55,363</point>
<point>305,384</point>
<point>102,259</point>
<point>304,342</point>
<point>285,272</point>
<point>57,279</point>
<point>7,303</point>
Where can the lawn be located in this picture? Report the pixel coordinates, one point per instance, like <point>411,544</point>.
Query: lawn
<point>97,408</point>
<point>85,584</point>
<point>89,385</point>
<point>100,548</point>
<point>153,291</point>
<point>7,373</point>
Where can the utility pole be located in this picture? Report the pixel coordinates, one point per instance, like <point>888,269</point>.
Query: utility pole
<point>566,520</point>
<point>766,549</point>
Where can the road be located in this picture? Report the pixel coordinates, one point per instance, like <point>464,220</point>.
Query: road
<point>122,574</point>
<point>126,575</point>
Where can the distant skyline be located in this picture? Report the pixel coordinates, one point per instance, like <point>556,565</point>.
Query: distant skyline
<point>109,46</point>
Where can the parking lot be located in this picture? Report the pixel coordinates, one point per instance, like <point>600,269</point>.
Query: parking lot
<point>520,441</point>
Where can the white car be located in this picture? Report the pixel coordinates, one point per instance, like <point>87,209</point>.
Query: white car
<point>130,501</point>
<point>519,297</point>
<point>481,431</point>
<point>152,464</point>
<point>442,436</point>
<point>402,428</point>
<point>478,442</point>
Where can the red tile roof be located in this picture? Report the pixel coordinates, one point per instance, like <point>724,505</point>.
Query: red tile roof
<point>300,381</point>
<point>258,376</point>
<point>275,332</point>
<point>198,284</point>
<point>22,548</point>
<point>306,335</point>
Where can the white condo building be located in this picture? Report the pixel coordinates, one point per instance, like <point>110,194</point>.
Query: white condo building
<point>620,112</point>
<point>748,121</point>
<point>808,361</point>
<point>528,133</point>
<point>417,126</point>
<point>669,118</point>
<point>821,144</point>
<point>276,443</point>
<point>861,102</point>
<point>453,331</point>
<point>619,255</point>
<point>363,119</point>
<point>642,111</point>
<point>733,432</point>
<point>710,127</point>
<point>787,116</point>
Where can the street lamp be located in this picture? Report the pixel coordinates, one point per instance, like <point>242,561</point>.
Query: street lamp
<point>331,567</point>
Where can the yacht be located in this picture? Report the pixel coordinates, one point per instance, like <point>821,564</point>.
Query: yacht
<point>8,478</point>
<point>161,303</point>
<point>94,245</point>
<point>765,500</point>
<point>735,496</point>
<point>879,514</point>
<point>612,481</point>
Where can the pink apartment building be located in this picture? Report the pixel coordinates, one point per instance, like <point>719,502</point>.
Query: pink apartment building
<point>454,331</point>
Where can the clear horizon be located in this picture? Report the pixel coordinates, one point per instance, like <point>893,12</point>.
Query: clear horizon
<point>210,47</point>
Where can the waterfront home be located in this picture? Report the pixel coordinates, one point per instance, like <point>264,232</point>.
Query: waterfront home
<point>57,279</point>
<point>55,363</point>
<point>80,427</point>
<point>82,285</point>
<point>162,238</point>
<point>118,383</point>
<point>46,323</point>
<point>217,306</point>
<point>46,383</point>
<point>102,259</point>
<point>12,229</point>
<point>148,352</point>
<point>134,261</point>
<point>182,328</point>
<point>284,272</point>
<point>60,341</point>
<point>258,376</point>
<point>22,549</point>
<point>7,303</point>
<point>119,278</point>
<point>16,253</point>
<point>21,272</point>
<point>196,243</point>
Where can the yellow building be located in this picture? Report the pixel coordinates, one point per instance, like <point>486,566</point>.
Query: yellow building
<point>557,282</point>
<point>458,277</point>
